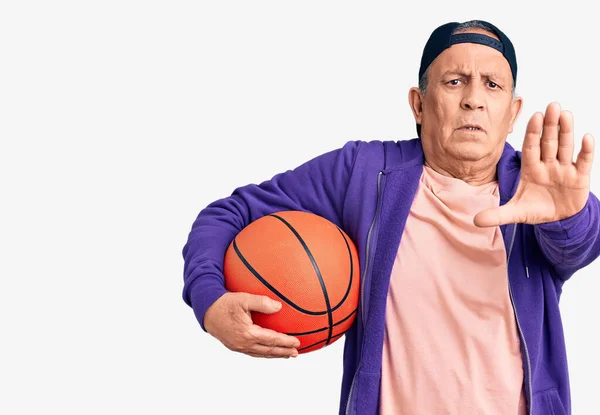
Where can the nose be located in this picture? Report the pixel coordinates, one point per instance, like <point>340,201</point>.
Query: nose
<point>472,97</point>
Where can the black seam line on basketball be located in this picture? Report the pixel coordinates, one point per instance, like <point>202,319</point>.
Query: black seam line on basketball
<point>324,328</point>
<point>351,272</point>
<point>319,342</point>
<point>270,287</point>
<point>317,270</point>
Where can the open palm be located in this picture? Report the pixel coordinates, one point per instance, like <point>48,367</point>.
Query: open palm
<point>552,187</point>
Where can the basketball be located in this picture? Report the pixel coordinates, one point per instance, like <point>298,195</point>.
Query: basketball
<point>305,262</point>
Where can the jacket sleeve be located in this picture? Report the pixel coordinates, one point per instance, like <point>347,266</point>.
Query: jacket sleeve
<point>572,243</point>
<point>318,186</point>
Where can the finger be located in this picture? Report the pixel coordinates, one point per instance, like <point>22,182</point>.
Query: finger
<point>549,140</point>
<point>586,155</point>
<point>565,138</point>
<point>502,215</point>
<point>262,304</point>
<point>270,337</point>
<point>531,144</point>
<point>263,356</point>
<point>273,351</point>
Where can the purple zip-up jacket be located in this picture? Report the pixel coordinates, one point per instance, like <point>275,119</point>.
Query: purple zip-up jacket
<point>367,188</point>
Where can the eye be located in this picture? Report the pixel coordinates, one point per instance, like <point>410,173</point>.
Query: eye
<point>454,82</point>
<point>493,85</point>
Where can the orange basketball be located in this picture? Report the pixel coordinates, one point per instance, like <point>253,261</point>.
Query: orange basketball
<point>305,262</point>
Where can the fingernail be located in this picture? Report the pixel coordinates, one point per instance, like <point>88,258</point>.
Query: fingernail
<point>295,354</point>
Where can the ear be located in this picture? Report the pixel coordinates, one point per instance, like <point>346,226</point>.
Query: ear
<point>415,100</point>
<point>515,109</point>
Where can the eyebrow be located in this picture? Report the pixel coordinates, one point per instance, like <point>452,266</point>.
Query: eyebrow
<point>488,75</point>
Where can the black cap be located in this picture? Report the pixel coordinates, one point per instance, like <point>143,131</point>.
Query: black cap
<point>442,38</point>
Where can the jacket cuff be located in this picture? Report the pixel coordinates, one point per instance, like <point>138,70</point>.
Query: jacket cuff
<point>202,295</point>
<point>565,228</point>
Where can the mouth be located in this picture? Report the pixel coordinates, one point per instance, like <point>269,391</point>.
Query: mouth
<point>471,127</point>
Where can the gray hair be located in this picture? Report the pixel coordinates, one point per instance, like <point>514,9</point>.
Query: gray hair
<point>471,24</point>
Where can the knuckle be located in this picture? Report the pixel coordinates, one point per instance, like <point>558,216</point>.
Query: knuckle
<point>237,317</point>
<point>264,301</point>
<point>242,300</point>
<point>236,347</point>
<point>251,334</point>
<point>247,336</point>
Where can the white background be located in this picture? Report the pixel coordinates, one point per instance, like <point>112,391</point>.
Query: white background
<point>120,120</point>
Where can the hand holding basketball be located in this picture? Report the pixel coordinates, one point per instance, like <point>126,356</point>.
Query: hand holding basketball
<point>306,262</point>
<point>229,320</point>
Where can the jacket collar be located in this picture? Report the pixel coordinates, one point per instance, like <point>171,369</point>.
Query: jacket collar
<point>509,172</point>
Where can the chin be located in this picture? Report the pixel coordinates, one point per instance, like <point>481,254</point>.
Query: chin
<point>469,151</point>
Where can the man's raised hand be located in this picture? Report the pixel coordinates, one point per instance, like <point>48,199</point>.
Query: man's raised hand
<point>552,187</point>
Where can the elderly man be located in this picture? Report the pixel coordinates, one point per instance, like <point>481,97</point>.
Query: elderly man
<point>464,244</point>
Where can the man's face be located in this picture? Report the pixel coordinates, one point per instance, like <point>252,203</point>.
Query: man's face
<point>469,84</point>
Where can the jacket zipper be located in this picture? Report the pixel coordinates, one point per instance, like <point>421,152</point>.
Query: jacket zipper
<point>529,389</point>
<point>365,273</point>
<point>369,250</point>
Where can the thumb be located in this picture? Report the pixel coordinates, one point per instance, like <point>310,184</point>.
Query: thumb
<point>262,304</point>
<point>501,215</point>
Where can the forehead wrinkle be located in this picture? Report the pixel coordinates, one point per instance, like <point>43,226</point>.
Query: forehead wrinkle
<point>469,74</point>
<point>463,71</point>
